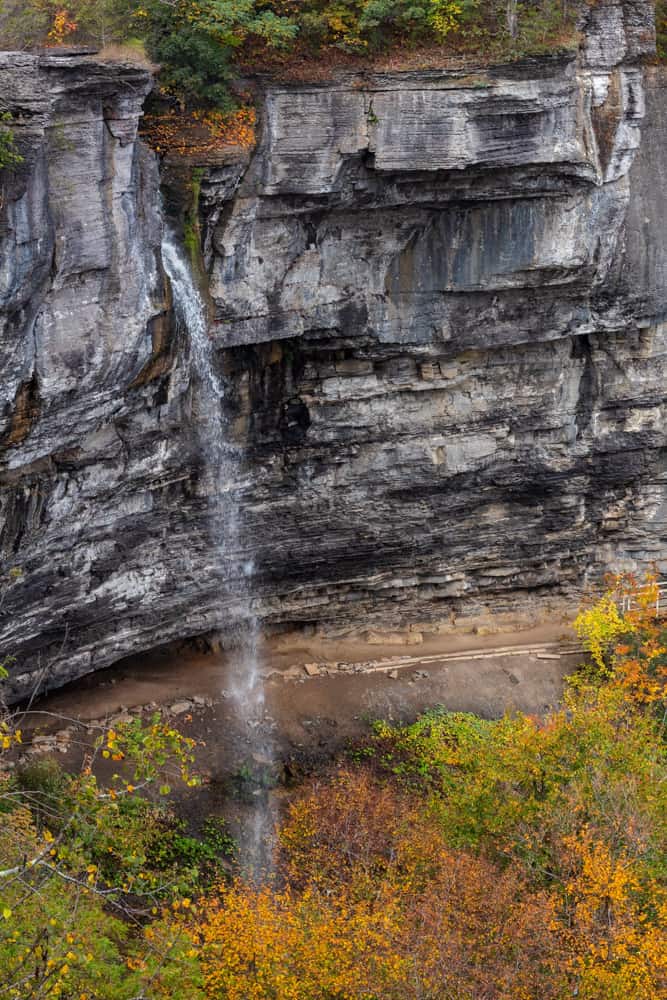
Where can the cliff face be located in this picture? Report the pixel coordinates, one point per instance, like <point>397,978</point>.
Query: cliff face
<point>84,341</point>
<point>461,282</point>
<point>439,300</point>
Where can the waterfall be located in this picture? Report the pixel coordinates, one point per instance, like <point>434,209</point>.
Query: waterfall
<point>223,466</point>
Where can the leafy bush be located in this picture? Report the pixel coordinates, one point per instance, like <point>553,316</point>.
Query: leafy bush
<point>43,786</point>
<point>81,869</point>
<point>453,857</point>
<point>195,66</point>
<point>25,23</point>
<point>195,44</point>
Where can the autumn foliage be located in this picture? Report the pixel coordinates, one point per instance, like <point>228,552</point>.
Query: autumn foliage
<point>375,904</point>
<point>200,133</point>
<point>203,47</point>
<point>62,26</point>
<point>628,646</point>
<point>454,858</point>
<point>83,863</point>
<point>461,858</point>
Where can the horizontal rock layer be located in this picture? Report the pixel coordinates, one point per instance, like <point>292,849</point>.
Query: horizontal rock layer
<point>438,301</point>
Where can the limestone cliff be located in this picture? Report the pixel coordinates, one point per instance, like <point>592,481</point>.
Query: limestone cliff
<point>84,338</point>
<point>439,301</point>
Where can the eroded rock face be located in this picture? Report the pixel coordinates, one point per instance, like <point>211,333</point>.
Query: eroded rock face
<point>414,208</point>
<point>456,288</point>
<point>439,300</point>
<point>468,272</point>
<point>85,348</point>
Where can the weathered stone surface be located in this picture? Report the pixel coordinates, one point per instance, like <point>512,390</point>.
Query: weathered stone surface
<point>469,275</point>
<point>87,437</point>
<point>369,199</point>
<point>440,304</point>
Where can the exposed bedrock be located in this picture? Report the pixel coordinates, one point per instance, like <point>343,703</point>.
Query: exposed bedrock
<point>440,303</point>
<point>88,427</point>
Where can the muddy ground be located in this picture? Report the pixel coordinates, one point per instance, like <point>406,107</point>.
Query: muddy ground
<point>320,697</point>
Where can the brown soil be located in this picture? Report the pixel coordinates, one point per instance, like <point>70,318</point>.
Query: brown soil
<point>461,52</point>
<point>308,720</point>
<point>352,680</point>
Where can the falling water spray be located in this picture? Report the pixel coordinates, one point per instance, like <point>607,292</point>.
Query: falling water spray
<point>223,465</point>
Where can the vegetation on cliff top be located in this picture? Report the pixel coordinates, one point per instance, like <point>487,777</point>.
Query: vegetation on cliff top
<point>202,44</point>
<point>515,859</point>
<point>204,47</point>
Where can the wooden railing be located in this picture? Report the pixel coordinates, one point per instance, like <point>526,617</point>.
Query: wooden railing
<point>629,603</point>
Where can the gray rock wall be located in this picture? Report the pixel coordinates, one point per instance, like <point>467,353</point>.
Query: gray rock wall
<point>93,422</point>
<point>456,288</point>
<point>439,300</point>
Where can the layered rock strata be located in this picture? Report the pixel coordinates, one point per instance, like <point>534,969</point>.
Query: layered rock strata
<point>85,342</point>
<point>454,289</point>
<point>439,300</point>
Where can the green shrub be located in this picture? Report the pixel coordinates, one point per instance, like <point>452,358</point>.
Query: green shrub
<point>9,154</point>
<point>196,50</point>
<point>199,43</point>
<point>22,24</point>
<point>42,784</point>
<point>194,65</point>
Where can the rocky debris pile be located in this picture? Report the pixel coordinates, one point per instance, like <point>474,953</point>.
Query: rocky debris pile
<point>37,743</point>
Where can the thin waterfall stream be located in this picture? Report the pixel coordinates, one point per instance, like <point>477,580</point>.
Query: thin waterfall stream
<point>223,463</point>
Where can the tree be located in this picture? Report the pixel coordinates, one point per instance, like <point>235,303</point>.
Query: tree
<point>195,43</point>
<point>462,857</point>
<point>450,857</point>
<point>83,864</point>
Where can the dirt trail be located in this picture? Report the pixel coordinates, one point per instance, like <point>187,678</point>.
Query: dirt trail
<point>320,693</point>
<point>320,696</point>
